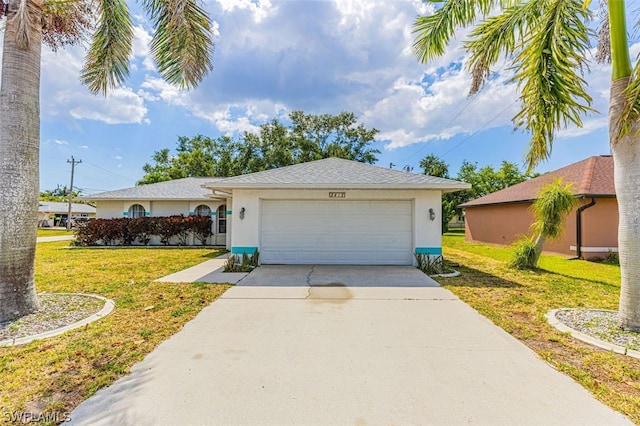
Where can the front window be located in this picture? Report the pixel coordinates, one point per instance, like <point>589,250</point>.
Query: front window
<point>222,219</point>
<point>136,211</point>
<point>202,210</point>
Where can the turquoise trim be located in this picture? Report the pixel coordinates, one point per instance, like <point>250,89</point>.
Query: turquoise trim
<point>125,214</point>
<point>244,250</point>
<point>147,214</point>
<point>429,250</point>
<point>192,213</point>
<point>213,213</point>
<point>228,212</point>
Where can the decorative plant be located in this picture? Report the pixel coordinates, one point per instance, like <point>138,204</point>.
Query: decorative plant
<point>246,263</point>
<point>431,264</point>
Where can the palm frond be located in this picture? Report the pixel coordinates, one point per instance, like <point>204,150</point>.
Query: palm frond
<point>26,22</point>
<point>182,44</point>
<point>496,36</point>
<point>549,72</point>
<point>107,60</point>
<point>603,51</point>
<point>554,202</point>
<point>435,31</point>
<point>66,22</point>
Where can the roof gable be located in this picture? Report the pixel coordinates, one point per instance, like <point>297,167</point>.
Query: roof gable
<point>336,173</point>
<point>592,177</point>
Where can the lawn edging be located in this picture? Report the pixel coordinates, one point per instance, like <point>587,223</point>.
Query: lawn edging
<point>560,326</point>
<point>109,306</point>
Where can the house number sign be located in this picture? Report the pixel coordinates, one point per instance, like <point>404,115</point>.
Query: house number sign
<point>337,195</point>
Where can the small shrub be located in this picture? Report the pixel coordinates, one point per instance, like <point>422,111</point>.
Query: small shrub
<point>126,231</point>
<point>246,263</point>
<point>524,254</point>
<point>200,226</point>
<point>611,259</point>
<point>432,264</point>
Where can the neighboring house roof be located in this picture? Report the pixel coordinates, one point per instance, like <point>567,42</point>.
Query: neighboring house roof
<point>190,188</point>
<point>336,173</point>
<point>56,207</point>
<point>592,177</point>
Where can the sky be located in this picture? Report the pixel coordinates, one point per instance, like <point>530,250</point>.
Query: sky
<point>273,57</point>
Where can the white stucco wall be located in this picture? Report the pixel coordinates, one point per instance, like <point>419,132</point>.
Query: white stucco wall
<point>169,208</point>
<point>109,209</point>
<point>246,232</point>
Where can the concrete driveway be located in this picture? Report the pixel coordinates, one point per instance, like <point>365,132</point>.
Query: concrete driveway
<point>331,354</point>
<point>342,275</point>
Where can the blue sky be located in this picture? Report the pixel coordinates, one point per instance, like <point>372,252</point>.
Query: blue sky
<point>273,57</point>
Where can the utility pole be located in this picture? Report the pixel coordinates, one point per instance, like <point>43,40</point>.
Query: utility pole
<point>73,163</point>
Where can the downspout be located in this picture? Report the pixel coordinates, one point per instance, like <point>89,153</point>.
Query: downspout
<point>579,226</point>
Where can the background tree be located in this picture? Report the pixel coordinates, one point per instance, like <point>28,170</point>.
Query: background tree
<point>181,46</point>
<point>547,43</point>
<point>59,194</point>
<point>550,209</point>
<point>483,181</point>
<point>433,166</point>
<point>308,137</point>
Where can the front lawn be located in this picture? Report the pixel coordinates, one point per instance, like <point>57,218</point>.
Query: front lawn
<point>58,373</point>
<point>518,300</point>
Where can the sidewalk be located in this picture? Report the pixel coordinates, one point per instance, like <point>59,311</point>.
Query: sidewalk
<point>55,238</point>
<point>210,271</point>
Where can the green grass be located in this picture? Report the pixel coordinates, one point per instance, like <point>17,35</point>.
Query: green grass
<point>58,373</point>
<point>45,232</point>
<point>518,300</point>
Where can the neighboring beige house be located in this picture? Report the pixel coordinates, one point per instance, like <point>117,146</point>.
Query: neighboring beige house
<point>175,197</point>
<point>591,229</point>
<point>50,213</point>
<point>334,211</point>
<point>457,221</point>
<point>329,211</point>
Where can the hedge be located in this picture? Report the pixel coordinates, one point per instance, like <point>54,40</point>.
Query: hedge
<point>125,231</point>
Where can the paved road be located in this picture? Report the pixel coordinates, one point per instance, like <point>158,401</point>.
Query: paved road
<point>342,355</point>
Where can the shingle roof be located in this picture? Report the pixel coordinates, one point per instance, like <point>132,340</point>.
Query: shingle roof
<point>592,177</point>
<point>58,207</point>
<point>179,189</point>
<point>336,173</point>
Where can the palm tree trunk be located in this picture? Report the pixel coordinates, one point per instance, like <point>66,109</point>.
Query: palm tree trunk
<point>627,181</point>
<point>19,161</point>
<point>626,160</point>
<point>538,250</point>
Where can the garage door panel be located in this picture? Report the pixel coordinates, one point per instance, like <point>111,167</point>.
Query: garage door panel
<point>345,231</point>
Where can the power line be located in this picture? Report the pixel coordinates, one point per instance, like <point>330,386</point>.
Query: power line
<point>445,126</point>
<point>102,169</point>
<point>480,129</point>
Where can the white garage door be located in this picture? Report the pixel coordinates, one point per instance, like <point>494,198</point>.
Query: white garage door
<point>336,232</point>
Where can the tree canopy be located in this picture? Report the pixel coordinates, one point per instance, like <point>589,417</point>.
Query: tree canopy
<point>308,137</point>
<point>483,181</point>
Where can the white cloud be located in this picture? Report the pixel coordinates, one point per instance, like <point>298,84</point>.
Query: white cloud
<point>60,143</point>
<point>118,157</point>
<point>121,106</point>
<point>141,41</point>
<point>64,98</point>
<point>259,9</point>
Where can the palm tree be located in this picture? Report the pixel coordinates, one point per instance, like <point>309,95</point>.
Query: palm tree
<point>547,43</point>
<point>550,209</point>
<point>182,48</point>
